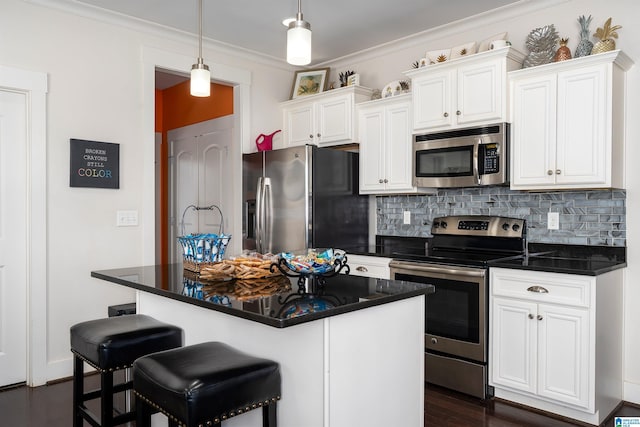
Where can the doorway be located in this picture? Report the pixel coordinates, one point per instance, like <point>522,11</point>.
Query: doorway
<point>199,194</point>
<point>239,81</point>
<point>23,284</point>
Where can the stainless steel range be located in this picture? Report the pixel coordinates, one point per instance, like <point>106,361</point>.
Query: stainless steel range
<point>456,262</point>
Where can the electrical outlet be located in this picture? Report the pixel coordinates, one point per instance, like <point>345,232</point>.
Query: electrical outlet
<point>407,217</point>
<point>553,220</point>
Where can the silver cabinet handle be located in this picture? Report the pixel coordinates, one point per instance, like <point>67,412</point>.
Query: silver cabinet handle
<point>539,317</point>
<point>380,181</point>
<point>311,136</point>
<point>362,269</point>
<point>549,172</point>
<point>386,180</point>
<point>530,316</point>
<point>558,171</point>
<point>458,113</point>
<point>537,289</point>
<point>318,135</point>
<point>446,114</point>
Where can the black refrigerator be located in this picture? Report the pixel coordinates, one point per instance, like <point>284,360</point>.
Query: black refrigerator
<point>303,197</point>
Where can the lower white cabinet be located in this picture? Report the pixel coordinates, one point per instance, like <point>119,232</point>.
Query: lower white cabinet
<point>556,341</point>
<point>369,266</point>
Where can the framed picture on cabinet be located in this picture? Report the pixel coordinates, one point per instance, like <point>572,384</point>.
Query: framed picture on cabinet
<point>309,82</point>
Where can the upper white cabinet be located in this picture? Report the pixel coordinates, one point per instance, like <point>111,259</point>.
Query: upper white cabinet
<point>384,128</point>
<point>464,92</point>
<point>556,341</point>
<point>325,119</point>
<point>567,121</point>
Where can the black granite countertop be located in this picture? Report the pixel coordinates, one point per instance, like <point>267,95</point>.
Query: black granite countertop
<point>569,259</point>
<point>555,258</point>
<point>276,303</point>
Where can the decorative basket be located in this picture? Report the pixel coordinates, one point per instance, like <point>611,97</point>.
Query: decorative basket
<point>200,250</point>
<point>242,268</point>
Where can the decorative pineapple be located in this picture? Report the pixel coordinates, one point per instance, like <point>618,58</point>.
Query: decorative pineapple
<point>563,53</point>
<point>585,45</point>
<point>606,34</point>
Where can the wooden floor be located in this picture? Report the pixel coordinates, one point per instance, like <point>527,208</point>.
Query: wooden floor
<point>50,406</point>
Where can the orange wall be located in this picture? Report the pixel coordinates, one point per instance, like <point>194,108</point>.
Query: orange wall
<point>175,108</point>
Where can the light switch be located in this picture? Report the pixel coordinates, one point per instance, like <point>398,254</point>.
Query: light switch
<point>126,218</point>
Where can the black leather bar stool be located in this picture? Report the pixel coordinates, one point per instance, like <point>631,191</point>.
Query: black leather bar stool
<point>204,385</point>
<point>109,345</point>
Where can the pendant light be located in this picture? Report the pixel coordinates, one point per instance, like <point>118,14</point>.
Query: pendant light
<point>200,76</point>
<point>299,40</point>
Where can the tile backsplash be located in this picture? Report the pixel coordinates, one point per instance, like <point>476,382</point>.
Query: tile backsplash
<point>594,217</point>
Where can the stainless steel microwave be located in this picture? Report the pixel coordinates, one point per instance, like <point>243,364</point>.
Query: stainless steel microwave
<point>468,157</point>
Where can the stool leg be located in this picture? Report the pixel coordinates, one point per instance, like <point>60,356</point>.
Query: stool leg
<point>106,399</point>
<point>143,413</point>
<point>269,415</point>
<point>78,390</point>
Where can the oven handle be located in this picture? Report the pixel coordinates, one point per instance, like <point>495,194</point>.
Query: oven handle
<point>458,271</point>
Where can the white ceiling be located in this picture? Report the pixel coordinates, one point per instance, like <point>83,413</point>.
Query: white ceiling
<point>340,27</point>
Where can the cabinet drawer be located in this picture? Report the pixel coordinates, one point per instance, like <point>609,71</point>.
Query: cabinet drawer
<point>369,266</point>
<point>566,289</point>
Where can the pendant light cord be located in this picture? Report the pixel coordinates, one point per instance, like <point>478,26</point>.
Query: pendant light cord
<point>200,59</point>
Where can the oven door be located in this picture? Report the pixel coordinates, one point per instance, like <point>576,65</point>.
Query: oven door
<point>456,316</point>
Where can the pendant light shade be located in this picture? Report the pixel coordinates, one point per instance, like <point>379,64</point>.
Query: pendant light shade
<point>200,75</point>
<point>299,40</point>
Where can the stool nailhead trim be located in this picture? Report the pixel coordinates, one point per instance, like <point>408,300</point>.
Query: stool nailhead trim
<point>217,419</point>
<point>98,368</point>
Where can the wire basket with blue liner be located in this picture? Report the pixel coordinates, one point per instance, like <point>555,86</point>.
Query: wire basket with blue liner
<point>201,250</point>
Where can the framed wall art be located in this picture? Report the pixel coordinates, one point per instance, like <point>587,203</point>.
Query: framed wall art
<point>94,164</point>
<point>309,82</point>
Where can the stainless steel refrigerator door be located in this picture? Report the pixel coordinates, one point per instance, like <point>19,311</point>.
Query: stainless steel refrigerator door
<point>287,200</point>
<point>252,170</point>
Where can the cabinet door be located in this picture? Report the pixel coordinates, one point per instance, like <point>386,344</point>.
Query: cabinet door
<point>513,344</point>
<point>432,100</point>
<point>398,153</point>
<point>371,129</point>
<point>299,125</point>
<point>480,90</point>
<point>584,150</point>
<point>334,120</point>
<point>533,146</point>
<point>563,354</point>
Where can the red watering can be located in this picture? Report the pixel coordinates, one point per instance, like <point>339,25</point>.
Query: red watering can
<point>265,142</point>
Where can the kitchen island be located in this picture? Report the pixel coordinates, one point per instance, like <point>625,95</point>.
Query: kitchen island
<point>351,354</point>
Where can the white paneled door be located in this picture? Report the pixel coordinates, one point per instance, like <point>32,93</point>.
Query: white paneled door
<point>13,237</point>
<point>200,174</point>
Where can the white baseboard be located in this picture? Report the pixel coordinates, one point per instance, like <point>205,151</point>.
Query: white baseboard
<point>631,392</point>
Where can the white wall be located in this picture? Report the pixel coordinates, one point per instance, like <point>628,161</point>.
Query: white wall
<point>96,92</point>
<point>383,65</point>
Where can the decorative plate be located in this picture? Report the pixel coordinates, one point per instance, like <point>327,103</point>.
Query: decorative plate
<point>463,50</point>
<point>392,89</point>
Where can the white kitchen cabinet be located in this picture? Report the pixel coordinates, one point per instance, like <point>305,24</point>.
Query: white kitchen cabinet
<point>324,119</point>
<point>369,266</point>
<point>555,343</point>
<point>568,124</point>
<point>464,92</point>
<point>384,128</point>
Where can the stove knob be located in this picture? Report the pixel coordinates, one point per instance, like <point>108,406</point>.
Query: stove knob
<point>505,226</point>
<point>443,224</point>
<point>436,224</point>
<point>515,227</point>
<point>434,341</point>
